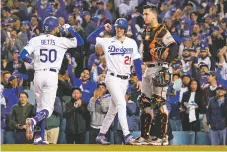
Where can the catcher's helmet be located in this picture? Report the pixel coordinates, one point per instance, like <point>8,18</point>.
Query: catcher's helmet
<point>50,23</point>
<point>121,22</point>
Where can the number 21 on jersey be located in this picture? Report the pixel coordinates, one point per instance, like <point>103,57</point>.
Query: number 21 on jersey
<point>48,55</point>
<point>127,60</point>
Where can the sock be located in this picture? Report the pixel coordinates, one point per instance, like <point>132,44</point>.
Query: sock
<point>101,134</point>
<point>127,136</point>
<point>42,129</point>
<point>41,115</point>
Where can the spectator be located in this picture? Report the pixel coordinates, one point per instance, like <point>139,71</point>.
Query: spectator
<point>209,91</point>
<point>3,107</point>
<point>53,122</point>
<point>20,112</point>
<point>95,57</point>
<point>98,107</point>
<point>13,43</point>
<point>93,7</point>
<point>103,18</point>
<point>15,64</point>
<point>173,95</point>
<point>25,34</point>
<point>20,10</point>
<point>87,86</point>
<point>88,25</point>
<point>75,112</point>
<point>101,68</point>
<point>125,9</point>
<point>5,77</point>
<point>191,104</point>
<point>216,117</point>
<point>35,28</point>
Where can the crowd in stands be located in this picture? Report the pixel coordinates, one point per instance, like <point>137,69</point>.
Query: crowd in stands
<point>196,97</point>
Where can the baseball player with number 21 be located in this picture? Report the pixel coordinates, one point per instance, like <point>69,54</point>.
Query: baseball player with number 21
<point>119,52</point>
<point>48,51</point>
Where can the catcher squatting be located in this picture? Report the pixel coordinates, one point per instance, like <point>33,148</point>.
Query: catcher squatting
<point>159,49</point>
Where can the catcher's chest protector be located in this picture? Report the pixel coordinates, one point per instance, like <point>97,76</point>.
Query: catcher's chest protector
<point>154,49</point>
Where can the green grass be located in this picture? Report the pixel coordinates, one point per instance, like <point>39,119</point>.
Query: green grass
<point>84,147</point>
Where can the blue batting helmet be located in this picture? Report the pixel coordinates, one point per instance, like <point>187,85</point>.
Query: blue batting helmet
<point>50,23</point>
<point>121,22</point>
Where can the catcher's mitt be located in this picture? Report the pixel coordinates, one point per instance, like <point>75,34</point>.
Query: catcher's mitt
<point>162,78</point>
<point>155,101</point>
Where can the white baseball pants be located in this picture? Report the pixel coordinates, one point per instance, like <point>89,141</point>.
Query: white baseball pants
<point>45,88</point>
<point>117,88</point>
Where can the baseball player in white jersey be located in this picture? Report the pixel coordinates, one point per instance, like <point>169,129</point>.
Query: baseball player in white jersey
<point>48,51</point>
<point>119,51</point>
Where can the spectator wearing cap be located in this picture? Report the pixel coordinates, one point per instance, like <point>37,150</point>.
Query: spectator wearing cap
<point>206,57</point>
<point>69,6</point>
<point>191,105</point>
<point>20,112</point>
<point>208,91</point>
<point>98,107</point>
<point>173,95</point>
<point>19,9</point>
<point>15,64</point>
<point>25,34</point>
<point>187,43</point>
<point>132,118</point>
<point>11,94</point>
<point>76,114</point>
<point>186,78</point>
<point>101,6</point>
<point>88,25</point>
<point>217,117</point>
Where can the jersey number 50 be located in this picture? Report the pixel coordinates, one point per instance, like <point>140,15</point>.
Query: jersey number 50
<point>48,55</point>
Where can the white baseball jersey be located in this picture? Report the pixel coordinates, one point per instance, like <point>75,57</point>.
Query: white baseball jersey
<point>49,50</point>
<point>119,55</point>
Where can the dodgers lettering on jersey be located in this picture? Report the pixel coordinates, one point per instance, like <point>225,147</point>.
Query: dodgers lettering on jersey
<point>48,50</point>
<point>119,55</point>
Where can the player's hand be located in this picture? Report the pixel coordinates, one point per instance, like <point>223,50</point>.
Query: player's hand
<point>139,85</point>
<point>108,27</point>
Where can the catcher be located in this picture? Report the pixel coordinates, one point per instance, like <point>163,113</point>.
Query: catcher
<point>159,49</point>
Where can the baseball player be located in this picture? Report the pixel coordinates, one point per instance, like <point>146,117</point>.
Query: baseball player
<point>48,51</point>
<point>159,49</point>
<point>119,51</point>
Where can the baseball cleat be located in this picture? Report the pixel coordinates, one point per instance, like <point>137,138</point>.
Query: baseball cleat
<point>102,140</point>
<point>130,140</point>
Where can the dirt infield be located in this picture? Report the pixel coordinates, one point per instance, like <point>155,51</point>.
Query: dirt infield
<point>89,147</point>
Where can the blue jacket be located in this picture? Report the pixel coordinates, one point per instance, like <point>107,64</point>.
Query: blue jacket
<point>11,96</point>
<point>217,115</point>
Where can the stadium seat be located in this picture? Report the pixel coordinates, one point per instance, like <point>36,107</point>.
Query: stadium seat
<point>183,138</point>
<point>202,138</point>
<point>31,96</point>
<point>111,137</point>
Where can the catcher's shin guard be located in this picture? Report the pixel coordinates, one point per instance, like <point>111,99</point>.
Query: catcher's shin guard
<point>145,125</point>
<point>164,125</point>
